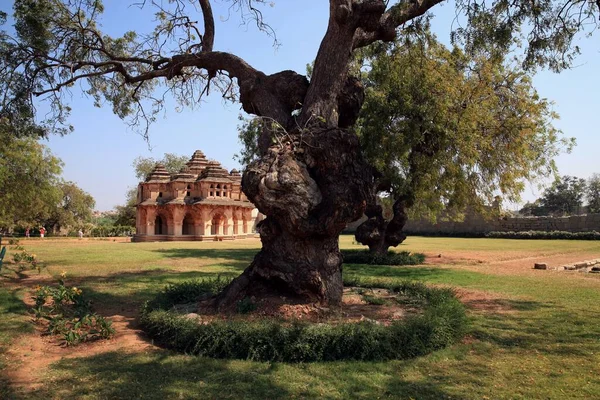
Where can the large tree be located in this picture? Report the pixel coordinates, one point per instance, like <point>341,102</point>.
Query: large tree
<point>29,175</point>
<point>593,194</point>
<point>564,197</point>
<point>311,178</point>
<point>72,210</point>
<point>448,130</point>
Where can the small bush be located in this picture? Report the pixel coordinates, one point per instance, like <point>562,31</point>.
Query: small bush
<point>593,235</point>
<point>442,323</point>
<point>69,314</point>
<point>391,258</point>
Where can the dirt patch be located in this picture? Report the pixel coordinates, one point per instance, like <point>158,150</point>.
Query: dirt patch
<point>30,355</point>
<point>358,304</point>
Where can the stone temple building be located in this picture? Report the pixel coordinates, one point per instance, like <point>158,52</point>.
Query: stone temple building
<point>201,202</point>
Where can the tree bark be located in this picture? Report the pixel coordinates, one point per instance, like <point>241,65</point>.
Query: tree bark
<point>310,185</point>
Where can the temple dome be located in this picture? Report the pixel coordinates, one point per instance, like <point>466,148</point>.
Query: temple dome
<point>159,173</point>
<point>184,174</point>
<point>197,163</point>
<point>214,172</point>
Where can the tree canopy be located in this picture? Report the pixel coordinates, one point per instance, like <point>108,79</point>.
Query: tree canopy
<point>73,209</point>
<point>144,165</point>
<point>29,178</point>
<point>56,43</point>
<point>593,193</point>
<point>454,129</point>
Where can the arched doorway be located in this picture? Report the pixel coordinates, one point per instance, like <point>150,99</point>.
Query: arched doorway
<point>188,225</point>
<point>160,226</point>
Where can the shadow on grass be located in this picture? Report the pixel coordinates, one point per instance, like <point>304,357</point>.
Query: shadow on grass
<point>13,322</point>
<point>544,328</point>
<point>227,254</point>
<point>163,375</point>
<point>128,290</point>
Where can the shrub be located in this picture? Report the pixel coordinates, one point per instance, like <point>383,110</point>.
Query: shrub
<point>390,258</point>
<point>593,235</point>
<point>69,314</point>
<point>442,323</point>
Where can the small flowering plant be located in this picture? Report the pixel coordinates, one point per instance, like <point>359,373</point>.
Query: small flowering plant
<point>26,260</point>
<point>65,312</point>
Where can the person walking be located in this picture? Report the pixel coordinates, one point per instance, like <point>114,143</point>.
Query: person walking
<point>27,233</point>
<point>42,232</point>
<point>80,233</point>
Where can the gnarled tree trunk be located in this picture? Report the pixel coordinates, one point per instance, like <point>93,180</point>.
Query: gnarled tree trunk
<point>309,186</point>
<point>380,234</point>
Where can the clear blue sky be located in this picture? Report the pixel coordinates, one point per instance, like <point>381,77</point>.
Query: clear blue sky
<point>98,155</point>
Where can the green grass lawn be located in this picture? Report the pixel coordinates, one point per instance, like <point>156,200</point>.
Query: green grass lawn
<point>533,336</point>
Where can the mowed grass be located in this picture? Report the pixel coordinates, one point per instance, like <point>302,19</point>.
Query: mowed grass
<point>532,336</point>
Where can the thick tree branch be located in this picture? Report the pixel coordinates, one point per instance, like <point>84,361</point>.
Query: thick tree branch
<point>391,20</point>
<point>209,26</point>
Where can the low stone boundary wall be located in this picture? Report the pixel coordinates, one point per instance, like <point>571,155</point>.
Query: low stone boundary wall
<point>592,266</point>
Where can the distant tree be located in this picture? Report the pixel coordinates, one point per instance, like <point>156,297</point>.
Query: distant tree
<point>125,215</point>
<point>29,174</point>
<point>73,209</point>
<point>565,196</point>
<point>144,165</point>
<point>593,194</point>
<point>533,209</point>
<point>248,135</point>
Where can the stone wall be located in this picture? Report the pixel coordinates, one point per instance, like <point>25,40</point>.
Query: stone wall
<point>476,224</point>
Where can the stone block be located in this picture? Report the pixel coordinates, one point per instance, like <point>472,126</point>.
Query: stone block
<point>540,266</point>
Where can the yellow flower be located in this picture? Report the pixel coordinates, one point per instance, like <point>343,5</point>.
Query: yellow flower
<point>63,274</point>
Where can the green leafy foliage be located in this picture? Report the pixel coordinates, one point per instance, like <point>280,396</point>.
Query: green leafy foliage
<point>68,313</point>
<point>25,260</point>
<point>144,165</point>
<point>593,193</point>
<point>74,209</point>
<point>29,179</point>
<point>564,196</point>
<point>453,129</point>
<point>593,235</point>
<point>442,323</point>
<point>391,258</point>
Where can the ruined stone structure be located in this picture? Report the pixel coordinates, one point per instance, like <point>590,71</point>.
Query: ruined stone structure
<point>201,202</point>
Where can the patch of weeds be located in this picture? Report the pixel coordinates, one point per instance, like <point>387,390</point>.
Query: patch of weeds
<point>67,313</point>
<point>245,306</point>
<point>373,300</point>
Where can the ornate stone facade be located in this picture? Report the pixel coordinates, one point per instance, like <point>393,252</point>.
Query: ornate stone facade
<point>201,202</point>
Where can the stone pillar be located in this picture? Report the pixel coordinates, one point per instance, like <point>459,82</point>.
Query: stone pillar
<point>150,218</point>
<point>220,225</point>
<point>228,222</point>
<point>206,221</point>
<point>177,223</point>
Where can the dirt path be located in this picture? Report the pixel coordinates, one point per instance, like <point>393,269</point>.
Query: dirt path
<point>31,355</point>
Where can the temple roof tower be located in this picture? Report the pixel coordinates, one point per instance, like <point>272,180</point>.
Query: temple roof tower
<point>184,174</point>
<point>159,173</point>
<point>197,163</point>
<point>214,172</point>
